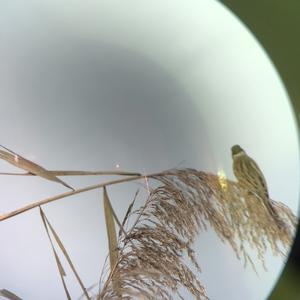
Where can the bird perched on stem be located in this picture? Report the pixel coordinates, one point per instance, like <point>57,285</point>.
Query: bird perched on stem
<point>251,178</point>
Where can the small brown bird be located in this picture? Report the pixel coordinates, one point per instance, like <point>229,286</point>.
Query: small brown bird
<point>29,166</point>
<point>251,178</point>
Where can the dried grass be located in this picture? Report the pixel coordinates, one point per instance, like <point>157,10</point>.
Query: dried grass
<point>151,261</point>
<point>27,165</point>
<point>148,260</point>
<point>62,273</point>
<point>111,229</point>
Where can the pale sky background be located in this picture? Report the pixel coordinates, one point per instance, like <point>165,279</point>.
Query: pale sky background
<point>144,84</point>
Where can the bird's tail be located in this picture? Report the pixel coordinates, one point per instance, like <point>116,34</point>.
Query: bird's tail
<point>279,222</point>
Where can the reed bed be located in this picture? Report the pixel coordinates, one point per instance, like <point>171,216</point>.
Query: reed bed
<point>148,253</point>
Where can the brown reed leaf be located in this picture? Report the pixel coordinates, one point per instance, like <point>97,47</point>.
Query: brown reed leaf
<point>110,216</point>
<point>111,229</point>
<point>111,210</point>
<point>9,295</point>
<point>64,251</point>
<point>61,270</point>
<point>27,165</point>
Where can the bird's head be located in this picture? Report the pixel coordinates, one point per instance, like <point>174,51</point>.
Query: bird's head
<point>236,149</point>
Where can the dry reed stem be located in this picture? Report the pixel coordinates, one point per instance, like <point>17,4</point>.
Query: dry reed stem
<point>68,194</point>
<point>77,173</point>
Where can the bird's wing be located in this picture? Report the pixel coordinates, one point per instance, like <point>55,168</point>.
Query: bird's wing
<point>257,177</point>
<point>262,185</point>
<point>250,176</point>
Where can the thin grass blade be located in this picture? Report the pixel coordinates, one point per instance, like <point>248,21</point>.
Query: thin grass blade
<point>64,251</point>
<point>61,270</point>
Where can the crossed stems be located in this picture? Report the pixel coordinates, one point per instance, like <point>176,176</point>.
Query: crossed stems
<point>130,176</point>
